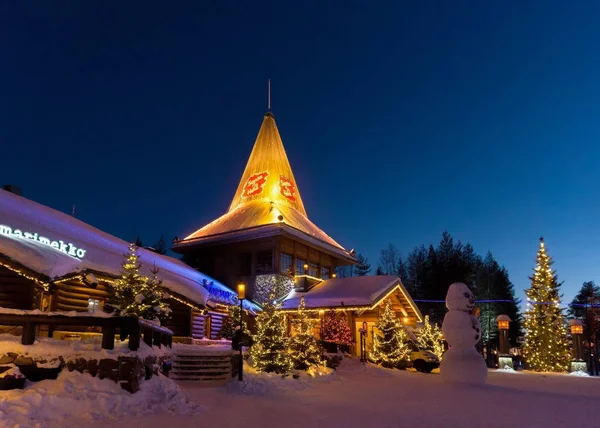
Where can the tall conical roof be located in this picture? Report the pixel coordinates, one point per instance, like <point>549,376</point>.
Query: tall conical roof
<point>267,197</point>
<point>268,175</point>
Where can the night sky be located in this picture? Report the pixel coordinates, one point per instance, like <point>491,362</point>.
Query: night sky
<point>400,121</point>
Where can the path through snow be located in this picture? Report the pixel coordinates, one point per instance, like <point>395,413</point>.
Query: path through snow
<point>357,396</point>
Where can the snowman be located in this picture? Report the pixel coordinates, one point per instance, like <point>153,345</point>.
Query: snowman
<point>461,328</point>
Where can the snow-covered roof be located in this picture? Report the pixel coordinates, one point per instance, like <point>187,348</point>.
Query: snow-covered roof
<point>267,200</point>
<point>358,291</point>
<point>100,251</point>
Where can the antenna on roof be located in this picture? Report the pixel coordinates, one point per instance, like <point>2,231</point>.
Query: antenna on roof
<point>269,95</point>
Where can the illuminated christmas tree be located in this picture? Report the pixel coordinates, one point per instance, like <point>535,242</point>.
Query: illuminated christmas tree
<point>232,322</point>
<point>136,295</point>
<point>336,329</point>
<point>305,350</point>
<point>390,342</point>
<point>546,346</point>
<point>270,349</point>
<point>432,338</point>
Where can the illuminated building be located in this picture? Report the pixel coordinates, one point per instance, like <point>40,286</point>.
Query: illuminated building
<point>266,229</point>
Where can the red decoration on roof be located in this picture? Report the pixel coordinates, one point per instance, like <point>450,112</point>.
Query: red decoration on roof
<point>255,184</point>
<point>287,188</point>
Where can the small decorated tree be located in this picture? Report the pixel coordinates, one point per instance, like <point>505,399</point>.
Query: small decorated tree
<point>305,350</point>
<point>390,343</point>
<point>136,295</point>
<point>270,349</point>
<point>336,329</point>
<point>153,304</point>
<point>432,338</point>
<point>232,322</point>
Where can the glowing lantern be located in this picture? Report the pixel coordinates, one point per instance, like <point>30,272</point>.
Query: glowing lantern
<point>241,291</point>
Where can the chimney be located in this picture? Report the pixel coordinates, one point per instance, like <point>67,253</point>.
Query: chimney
<point>12,189</point>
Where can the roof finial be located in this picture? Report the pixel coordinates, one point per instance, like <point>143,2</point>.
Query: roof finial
<point>269,96</point>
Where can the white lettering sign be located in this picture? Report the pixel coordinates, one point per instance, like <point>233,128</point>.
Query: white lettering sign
<point>64,247</point>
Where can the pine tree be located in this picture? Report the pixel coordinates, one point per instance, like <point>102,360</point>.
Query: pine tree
<point>586,307</point>
<point>336,329</point>
<point>305,350</point>
<point>363,267</point>
<point>390,347</point>
<point>431,338</point>
<point>388,260</point>
<point>160,247</point>
<point>379,271</point>
<point>546,346</point>
<point>136,295</point>
<point>270,349</point>
<point>401,269</point>
<point>232,322</point>
<point>138,242</point>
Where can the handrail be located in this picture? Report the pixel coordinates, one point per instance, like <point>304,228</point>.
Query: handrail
<point>131,327</point>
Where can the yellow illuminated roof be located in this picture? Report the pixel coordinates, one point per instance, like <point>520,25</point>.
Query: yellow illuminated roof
<point>267,195</point>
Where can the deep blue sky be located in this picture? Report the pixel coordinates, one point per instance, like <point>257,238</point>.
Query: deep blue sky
<point>400,120</point>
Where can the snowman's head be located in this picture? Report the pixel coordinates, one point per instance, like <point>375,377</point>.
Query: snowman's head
<point>460,298</point>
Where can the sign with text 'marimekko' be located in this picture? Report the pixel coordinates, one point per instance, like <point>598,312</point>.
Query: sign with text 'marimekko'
<point>64,247</point>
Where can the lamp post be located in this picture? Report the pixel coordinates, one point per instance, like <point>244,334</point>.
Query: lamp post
<point>241,296</point>
<point>505,360</point>
<point>577,364</point>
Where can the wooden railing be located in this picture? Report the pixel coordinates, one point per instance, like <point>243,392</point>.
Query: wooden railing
<point>128,327</point>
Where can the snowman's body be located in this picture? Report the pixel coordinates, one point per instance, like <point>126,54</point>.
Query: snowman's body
<point>462,363</point>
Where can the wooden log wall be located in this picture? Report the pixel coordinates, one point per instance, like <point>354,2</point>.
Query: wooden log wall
<point>180,320</point>
<point>198,325</point>
<point>16,291</point>
<point>74,295</point>
<point>216,322</point>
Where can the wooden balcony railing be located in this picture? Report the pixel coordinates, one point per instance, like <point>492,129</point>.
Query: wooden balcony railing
<point>128,327</point>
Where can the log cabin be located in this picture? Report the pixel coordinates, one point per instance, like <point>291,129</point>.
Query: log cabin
<point>52,261</point>
<point>359,300</point>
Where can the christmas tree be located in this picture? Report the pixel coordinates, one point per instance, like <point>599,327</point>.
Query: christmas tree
<point>270,349</point>
<point>390,343</point>
<point>305,350</point>
<point>546,346</point>
<point>232,322</point>
<point>431,338</point>
<point>336,329</point>
<point>136,295</point>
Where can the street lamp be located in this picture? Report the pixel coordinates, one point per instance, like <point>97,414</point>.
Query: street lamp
<point>504,358</point>
<point>577,364</point>
<point>241,296</point>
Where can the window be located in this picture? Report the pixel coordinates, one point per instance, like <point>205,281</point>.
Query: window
<point>93,305</point>
<point>313,269</point>
<point>285,263</point>
<point>325,272</point>
<point>264,262</point>
<point>300,267</point>
<point>245,264</point>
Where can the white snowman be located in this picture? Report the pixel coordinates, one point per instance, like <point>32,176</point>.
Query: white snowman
<point>462,331</point>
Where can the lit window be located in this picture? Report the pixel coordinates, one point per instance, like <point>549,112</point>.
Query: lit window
<point>93,305</point>
<point>300,267</point>
<point>285,263</point>
<point>313,270</point>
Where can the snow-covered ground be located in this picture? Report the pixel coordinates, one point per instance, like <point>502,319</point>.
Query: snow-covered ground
<point>354,396</point>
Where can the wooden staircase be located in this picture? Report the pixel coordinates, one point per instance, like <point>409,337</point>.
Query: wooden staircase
<point>212,368</point>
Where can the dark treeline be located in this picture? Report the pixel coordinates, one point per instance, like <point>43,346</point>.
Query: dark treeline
<point>427,272</point>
